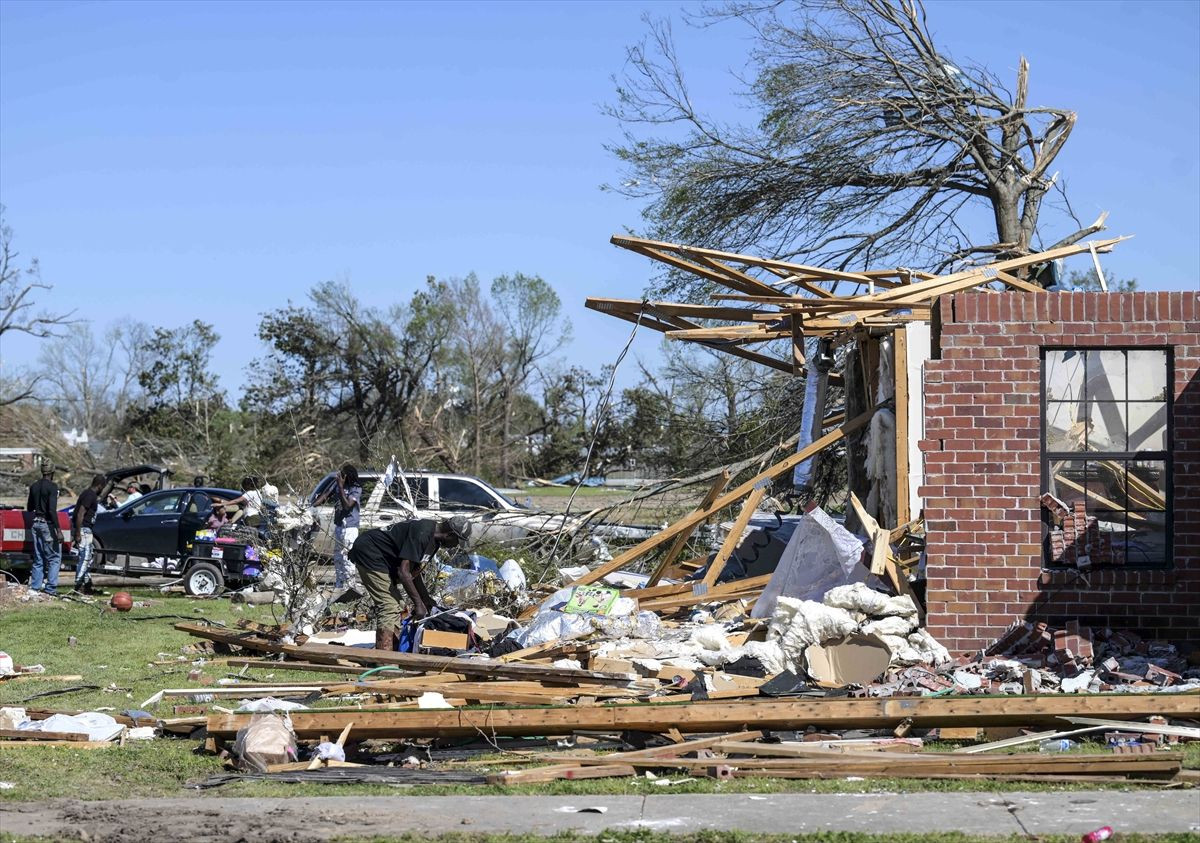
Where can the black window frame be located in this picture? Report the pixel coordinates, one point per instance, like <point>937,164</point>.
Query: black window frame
<point>1166,456</point>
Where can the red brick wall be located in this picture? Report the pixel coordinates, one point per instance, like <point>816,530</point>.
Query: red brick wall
<point>982,467</point>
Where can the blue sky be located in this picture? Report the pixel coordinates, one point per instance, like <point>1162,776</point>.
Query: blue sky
<point>172,161</point>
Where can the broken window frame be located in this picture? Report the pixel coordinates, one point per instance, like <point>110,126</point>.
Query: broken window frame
<point>1125,458</point>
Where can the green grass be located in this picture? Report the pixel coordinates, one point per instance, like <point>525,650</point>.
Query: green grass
<point>647,836</point>
<point>115,650</point>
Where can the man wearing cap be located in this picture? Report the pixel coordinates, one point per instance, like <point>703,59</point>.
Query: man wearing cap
<point>47,550</point>
<point>389,559</point>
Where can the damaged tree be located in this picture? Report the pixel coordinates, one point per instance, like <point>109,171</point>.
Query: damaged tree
<point>871,144</point>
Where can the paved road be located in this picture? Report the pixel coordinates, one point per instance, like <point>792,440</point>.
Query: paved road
<point>322,818</point>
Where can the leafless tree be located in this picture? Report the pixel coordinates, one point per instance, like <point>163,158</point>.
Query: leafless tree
<point>20,288</point>
<point>90,380</point>
<point>872,143</point>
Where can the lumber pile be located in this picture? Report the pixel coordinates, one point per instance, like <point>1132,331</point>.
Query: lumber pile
<point>720,715</point>
<point>734,732</point>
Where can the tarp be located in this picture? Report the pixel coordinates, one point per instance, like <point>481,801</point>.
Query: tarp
<point>820,555</point>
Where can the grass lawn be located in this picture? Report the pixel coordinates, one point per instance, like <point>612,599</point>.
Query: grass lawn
<point>114,652</point>
<point>647,836</point>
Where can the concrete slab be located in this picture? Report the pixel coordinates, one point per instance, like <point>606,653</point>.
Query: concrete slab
<point>322,818</point>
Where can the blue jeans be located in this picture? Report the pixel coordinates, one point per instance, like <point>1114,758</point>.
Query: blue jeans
<point>84,550</point>
<point>47,556</point>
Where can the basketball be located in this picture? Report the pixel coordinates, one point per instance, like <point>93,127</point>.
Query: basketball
<point>121,601</point>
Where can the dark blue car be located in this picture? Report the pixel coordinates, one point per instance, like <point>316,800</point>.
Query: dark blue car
<point>155,535</point>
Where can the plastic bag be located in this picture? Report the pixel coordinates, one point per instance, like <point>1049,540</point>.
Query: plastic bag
<point>642,625</point>
<point>269,739</point>
<point>513,575</point>
<point>327,751</point>
<point>550,626</point>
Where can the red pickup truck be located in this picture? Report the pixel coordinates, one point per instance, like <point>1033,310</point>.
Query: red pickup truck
<point>16,540</point>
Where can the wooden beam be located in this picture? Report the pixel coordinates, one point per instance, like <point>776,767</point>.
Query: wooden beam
<point>688,311</point>
<point>638,244</point>
<point>900,368</point>
<point>735,535</point>
<point>658,325</point>
<point>691,718</point>
<point>965,280</point>
<point>879,537</point>
<point>725,500</point>
<point>407,661</point>
<point>753,286</point>
<point>734,590</point>
<point>1018,283</point>
<point>718,485</point>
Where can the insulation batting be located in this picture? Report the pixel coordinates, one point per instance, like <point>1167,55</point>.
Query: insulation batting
<point>862,598</point>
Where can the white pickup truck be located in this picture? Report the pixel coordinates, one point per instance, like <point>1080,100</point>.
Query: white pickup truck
<point>496,518</point>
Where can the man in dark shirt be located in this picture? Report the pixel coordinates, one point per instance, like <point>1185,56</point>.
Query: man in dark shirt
<point>389,560</point>
<point>81,533</point>
<point>47,552</point>
<point>346,491</point>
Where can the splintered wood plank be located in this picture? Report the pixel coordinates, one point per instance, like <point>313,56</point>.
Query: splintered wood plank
<point>570,772</point>
<point>965,280</point>
<point>718,485</point>
<point>879,537</point>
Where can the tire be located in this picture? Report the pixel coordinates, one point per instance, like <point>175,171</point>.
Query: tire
<point>203,580</point>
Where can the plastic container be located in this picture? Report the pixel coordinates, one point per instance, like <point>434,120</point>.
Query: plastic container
<point>1105,832</point>
<point>1059,745</point>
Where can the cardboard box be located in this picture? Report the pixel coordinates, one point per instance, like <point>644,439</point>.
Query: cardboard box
<point>433,639</point>
<point>856,659</point>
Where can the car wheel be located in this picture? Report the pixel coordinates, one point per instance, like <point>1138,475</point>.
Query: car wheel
<point>203,580</point>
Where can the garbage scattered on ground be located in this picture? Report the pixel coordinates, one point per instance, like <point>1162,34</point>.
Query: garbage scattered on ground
<point>587,657</point>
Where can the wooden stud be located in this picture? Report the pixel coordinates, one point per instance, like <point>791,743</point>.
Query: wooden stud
<point>900,368</point>
<point>735,536</point>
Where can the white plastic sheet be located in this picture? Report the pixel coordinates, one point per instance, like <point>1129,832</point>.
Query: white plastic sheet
<point>95,724</point>
<point>820,555</point>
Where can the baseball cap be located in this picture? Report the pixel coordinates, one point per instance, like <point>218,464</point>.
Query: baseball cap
<point>460,527</point>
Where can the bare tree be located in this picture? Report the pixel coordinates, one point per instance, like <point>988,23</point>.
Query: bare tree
<point>535,329</point>
<point>90,380</point>
<point>871,142</point>
<point>476,356</point>
<point>19,313</point>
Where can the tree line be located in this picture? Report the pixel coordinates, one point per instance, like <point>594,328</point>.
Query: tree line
<point>461,376</point>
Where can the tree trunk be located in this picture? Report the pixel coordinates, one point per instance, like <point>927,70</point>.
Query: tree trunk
<point>505,439</point>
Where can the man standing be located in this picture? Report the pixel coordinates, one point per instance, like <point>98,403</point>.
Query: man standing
<point>81,533</point>
<point>347,513</point>
<point>47,538</point>
<point>390,559</point>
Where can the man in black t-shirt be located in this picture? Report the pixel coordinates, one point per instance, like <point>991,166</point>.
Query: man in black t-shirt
<point>389,562</point>
<point>81,533</point>
<point>47,547</point>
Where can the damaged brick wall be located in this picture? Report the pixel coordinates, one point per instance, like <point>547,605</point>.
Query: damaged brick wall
<point>983,476</point>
